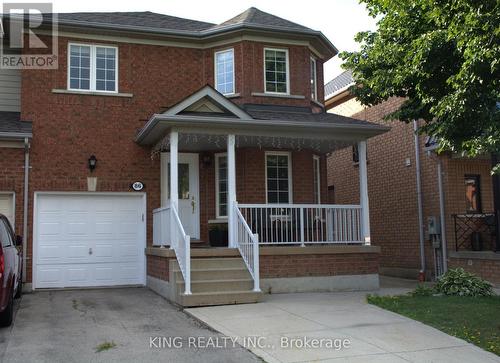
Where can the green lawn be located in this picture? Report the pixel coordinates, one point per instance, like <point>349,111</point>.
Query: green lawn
<point>474,319</point>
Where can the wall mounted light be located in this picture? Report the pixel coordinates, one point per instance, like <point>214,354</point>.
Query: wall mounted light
<point>92,163</point>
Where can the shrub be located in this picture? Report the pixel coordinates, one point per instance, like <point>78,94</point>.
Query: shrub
<point>422,290</point>
<point>462,283</point>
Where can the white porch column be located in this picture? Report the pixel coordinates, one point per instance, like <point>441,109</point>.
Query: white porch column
<point>363,193</point>
<point>231,190</point>
<point>174,193</point>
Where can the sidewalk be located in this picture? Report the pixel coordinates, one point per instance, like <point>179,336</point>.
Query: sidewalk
<point>375,335</point>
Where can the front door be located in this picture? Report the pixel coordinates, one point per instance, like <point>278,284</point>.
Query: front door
<point>189,191</point>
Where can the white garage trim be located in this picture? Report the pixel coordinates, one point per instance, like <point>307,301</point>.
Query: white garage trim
<point>142,229</point>
<point>13,195</point>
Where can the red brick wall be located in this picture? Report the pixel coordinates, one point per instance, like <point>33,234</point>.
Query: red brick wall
<point>318,265</point>
<point>68,128</point>
<point>487,269</point>
<point>12,180</point>
<point>158,267</point>
<point>251,182</point>
<point>293,265</point>
<point>249,63</point>
<point>392,189</point>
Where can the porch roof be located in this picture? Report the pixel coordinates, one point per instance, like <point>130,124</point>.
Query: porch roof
<point>225,117</point>
<point>13,128</point>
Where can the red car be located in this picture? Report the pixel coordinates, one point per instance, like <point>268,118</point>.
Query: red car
<point>10,270</point>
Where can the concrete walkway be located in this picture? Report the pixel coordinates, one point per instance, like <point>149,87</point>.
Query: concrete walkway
<point>374,334</point>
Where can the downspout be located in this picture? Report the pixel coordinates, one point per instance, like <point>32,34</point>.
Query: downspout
<point>444,245</point>
<point>25,204</point>
<point>419,199</point>
<point>495,178</point>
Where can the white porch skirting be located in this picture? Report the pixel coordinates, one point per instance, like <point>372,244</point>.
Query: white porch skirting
<point>320,283</point>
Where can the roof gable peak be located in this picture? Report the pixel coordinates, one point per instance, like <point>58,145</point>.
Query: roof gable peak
<point>208,102</point>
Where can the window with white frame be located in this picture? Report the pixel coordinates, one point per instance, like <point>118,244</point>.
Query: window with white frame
<point>278,177</point>
<point>314,80</point>
<point>93,68</point>
<point>276,71</point>
<point>317,179</point>
<point>224,71</point>
<point>221,185</point>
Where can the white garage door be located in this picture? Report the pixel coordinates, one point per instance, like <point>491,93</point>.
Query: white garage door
<point>7,206</point>
<point>89,240</point>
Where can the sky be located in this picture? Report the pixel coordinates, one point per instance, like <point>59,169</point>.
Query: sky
<point>339,20</point>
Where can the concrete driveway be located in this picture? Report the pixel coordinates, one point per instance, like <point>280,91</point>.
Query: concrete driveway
<point>69,326</point>
<point>374,335</point>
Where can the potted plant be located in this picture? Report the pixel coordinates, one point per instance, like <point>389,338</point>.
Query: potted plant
<point>217,235</point>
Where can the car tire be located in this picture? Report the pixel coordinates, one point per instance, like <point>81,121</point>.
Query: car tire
<point>7,315</point>
<point>19,290</point>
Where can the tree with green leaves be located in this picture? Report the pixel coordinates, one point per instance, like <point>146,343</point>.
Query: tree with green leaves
<point>443,57</point>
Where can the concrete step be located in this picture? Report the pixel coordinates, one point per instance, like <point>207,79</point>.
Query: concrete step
<point>214,274</point>
<point>217,262</point>
<point>218,285</point>
<point>219,298</point>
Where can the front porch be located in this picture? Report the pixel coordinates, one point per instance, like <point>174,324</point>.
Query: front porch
<point>265,180</point>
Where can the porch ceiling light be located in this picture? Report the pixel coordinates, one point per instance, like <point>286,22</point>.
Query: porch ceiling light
<point>92,163</point>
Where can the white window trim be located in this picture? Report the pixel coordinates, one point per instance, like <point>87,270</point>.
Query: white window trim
<point>13,195</point>
<point>92,67</point>
<point>217,202</point>
<point>287,71</point>
<point>215,71</point>
<point>317,187</point>
<point>289,155</point>
<point>315,62</point>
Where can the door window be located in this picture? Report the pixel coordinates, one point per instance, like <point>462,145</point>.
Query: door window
<point>183,181</point>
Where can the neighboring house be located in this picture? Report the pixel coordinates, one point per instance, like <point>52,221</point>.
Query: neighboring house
<point>467,210</point>
<point>238,107</point>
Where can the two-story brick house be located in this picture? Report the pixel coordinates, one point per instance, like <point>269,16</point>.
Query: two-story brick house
<point>442,204</point>
<point>239,107</point>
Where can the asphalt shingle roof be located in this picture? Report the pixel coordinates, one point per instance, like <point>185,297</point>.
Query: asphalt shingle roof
<point>341,81</point>
<point>140,19</point>
<point>11,122</point>
<point>161,22</point>
<point>254,16</point>
<point>286,113</point>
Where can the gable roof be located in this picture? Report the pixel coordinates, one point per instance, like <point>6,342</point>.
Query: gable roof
<point>339,83</point>
<point>225,116</point>
<point>211,96</point>
<point>11,126</point>
<point>153,25</point>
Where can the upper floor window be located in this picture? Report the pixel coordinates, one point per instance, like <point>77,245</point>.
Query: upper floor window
<point>224,71</point>
<point>473,194</point>
<point>93,68</point>
<point>276,71</point>
<point>314,80</point>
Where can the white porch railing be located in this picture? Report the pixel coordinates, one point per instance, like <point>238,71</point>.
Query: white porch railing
<point>161,226</point>
<point>248,245</point>
<point>277,224</point>
<point>181,243</point>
